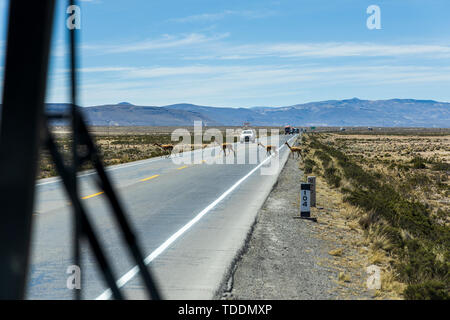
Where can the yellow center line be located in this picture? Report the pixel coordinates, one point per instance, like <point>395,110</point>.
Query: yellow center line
<point>183,167</point>
<point>152,177</point>
<point>93,195</point>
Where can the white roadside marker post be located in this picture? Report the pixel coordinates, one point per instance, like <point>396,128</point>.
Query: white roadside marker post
<point>305,202</point>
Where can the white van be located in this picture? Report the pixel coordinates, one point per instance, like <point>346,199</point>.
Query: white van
<point>248,135</point>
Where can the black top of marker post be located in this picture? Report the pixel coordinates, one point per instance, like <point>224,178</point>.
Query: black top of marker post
<point>305,186</point>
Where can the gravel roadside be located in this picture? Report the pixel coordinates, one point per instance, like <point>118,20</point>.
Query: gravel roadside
<point>288,258</point>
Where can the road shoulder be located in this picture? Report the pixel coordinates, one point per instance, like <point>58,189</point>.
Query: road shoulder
<point>289,258</point>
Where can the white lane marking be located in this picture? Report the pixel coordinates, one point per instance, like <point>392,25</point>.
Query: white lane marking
<point>135,270</point>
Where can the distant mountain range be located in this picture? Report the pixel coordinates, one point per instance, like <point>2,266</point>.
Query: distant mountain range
<point>351,112</point>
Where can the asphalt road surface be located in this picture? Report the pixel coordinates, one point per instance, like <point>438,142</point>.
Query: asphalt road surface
<point>191,219</point>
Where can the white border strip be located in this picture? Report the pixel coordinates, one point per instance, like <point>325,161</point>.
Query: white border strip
<point>135,270</point>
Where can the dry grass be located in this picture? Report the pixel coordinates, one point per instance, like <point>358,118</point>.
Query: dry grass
<point>336,252</point>
<point>416,166</point>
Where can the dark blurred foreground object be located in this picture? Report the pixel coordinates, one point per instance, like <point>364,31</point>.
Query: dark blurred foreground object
<point>24,127</point>
<point>29,31</point>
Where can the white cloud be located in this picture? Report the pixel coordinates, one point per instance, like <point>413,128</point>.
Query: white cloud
<point>229,72</point>
<point>266,74</point>
<point>323,50</point>
<point>167,41</point>
<point>256,83</point>
<point>213,47</point>
<point>218,84</point>
<point>104,69</point>
<point>158,72</point>
<point>210,17</point>
<point>352,49</point>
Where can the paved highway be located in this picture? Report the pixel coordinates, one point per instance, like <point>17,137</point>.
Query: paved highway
<point>191,221</point>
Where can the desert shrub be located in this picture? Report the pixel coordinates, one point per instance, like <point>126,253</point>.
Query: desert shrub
<point>418,163</point>
<point>428,290</point>
<point>367,219</point>
<point>332,177</point>
<point>440,166</point>
<point>309,165</point>
<point>323,157</point>
<point>418,179</point>
<point>420,264</point>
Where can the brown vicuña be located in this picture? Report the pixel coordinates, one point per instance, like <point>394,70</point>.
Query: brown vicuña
<point>227,146</point>
<point>297,150</point>
<point>165,147</point>
<point>268,148</point>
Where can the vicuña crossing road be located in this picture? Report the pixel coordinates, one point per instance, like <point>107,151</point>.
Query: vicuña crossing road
<point>191,221</point>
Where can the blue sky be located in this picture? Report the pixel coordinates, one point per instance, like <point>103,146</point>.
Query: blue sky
<point>252,53</point>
